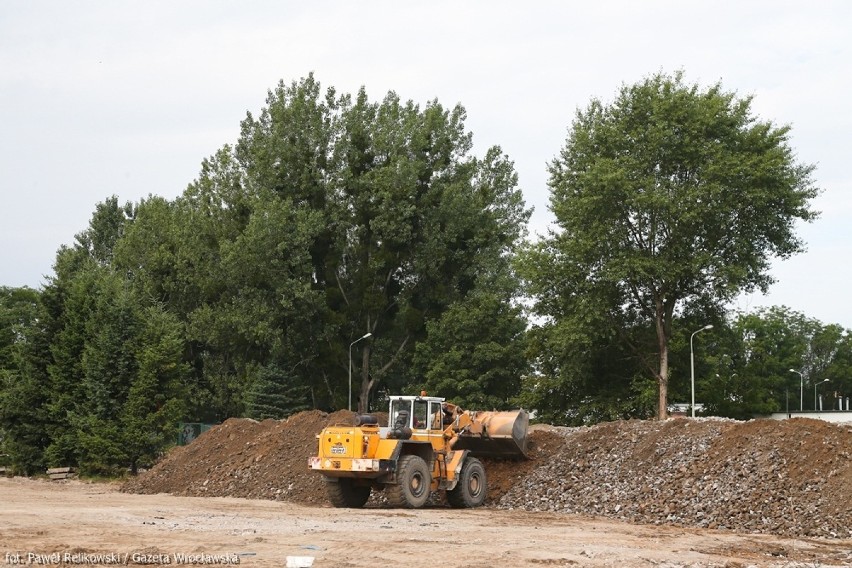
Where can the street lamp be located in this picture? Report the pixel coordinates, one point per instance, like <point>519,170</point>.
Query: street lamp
<point>692,364</point>
<point>365,336</point>
<point>801,389</point>
<point>815,395</point>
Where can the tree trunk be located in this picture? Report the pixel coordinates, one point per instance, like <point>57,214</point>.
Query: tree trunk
<point>663,374</point>
<point>369,380</point>
<point>366,382</point>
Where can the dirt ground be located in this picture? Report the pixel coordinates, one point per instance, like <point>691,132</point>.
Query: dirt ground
<point>74,522</point>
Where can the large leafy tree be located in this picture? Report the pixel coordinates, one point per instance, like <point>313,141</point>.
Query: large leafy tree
<point>333,216</point>
<point>671,197</point>
<point>410,223</point>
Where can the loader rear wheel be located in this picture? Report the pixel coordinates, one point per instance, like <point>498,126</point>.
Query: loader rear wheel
<point>342,492</point>
<point>472,487</point>
<point>413,485</point>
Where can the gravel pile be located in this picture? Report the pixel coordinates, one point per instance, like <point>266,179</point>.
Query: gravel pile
<point>791,477</point>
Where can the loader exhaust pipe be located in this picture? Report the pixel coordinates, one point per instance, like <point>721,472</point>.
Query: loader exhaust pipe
<point>495,434</point>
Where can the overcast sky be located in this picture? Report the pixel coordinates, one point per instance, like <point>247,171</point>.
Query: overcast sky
<point>127,98</point>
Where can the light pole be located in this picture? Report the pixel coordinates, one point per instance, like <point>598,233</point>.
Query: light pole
<point>815,395</point>
<point>692,364</point>
<point>365,336</point>
<point>801,389</point>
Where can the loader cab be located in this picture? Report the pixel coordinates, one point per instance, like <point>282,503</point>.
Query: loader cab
<point>415,412</point>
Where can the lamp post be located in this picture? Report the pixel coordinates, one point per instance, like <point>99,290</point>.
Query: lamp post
<point>692,364</point>
<point>801,389</point>
<point>815,395</point>
<point>365,336</point>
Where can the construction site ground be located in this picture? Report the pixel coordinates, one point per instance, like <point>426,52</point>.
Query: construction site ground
<point>697,493</point>
<point>85,520</point>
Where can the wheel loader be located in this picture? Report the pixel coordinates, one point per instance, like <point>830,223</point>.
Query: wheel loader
<point>428,445</point>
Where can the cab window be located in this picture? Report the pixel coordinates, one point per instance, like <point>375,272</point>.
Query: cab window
<point>436,415</point>
<point>421,414</point>
<point>396,407</point>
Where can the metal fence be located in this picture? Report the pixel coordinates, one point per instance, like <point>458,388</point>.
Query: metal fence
<point>188,431</point>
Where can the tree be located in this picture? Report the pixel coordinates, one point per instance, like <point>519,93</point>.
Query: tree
<point>68,299</point>
<point>108,369</point>
<point>157,396</point>
<point>773,341</point>
<point>275,394</point>
<point>79,307</point>
<point>474,354</point>
<point>585,374</point>
<point>839,373</point>
<point>331,216</point>
<point>23,391</point>
<point>171,256</point>
<point>93,385</point>
<point>669,196</point>
<point>409,219</point>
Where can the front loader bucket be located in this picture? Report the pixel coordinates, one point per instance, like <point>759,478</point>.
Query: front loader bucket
<point>496,435</point>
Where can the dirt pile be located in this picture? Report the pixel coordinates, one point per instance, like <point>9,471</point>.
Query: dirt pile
<point>791,477</point>
<point>784,477</point>
<point>269,460</point>
<point>245,458</point>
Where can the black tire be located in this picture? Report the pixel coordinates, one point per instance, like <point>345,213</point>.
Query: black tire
<point>342,492</point>
<point>413,486</point>
<point>472,487</point>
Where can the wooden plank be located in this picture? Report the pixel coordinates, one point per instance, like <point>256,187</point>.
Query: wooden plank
<point>60,476</point>
<point>60,470</point>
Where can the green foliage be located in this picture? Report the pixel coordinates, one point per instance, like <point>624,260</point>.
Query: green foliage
<point>157,398</point>
<point>276,394</point>
<point>331,216</point>
<point>120,405</point>
<point>474,354</point>
<point>405,223</point>
<point>751,373</point>
<point>85,386</point>
<point>670,195</point>
<point>18,311</point>
<point>22,392</point>
<point>105,229</point>
<point>585,376</point>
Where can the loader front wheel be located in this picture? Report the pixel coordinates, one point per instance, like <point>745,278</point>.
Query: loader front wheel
<point>413,485</point>
<point>342,492</point>
<point>472,487</point>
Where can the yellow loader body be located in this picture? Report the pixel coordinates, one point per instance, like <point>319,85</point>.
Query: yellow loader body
<point>428,445</point>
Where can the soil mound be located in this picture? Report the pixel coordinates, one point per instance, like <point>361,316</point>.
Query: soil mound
<point>245,458</point>
<point>787,477</point>
<point>269,460</point>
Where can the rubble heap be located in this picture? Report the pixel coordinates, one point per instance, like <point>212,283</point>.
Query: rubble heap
<point>791,477</point>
